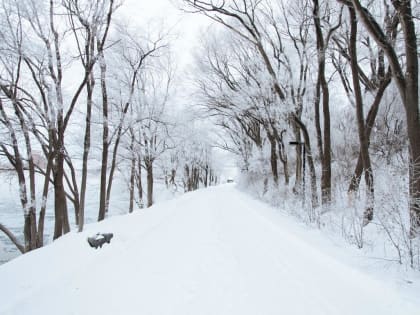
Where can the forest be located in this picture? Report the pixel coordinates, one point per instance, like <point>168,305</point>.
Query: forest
<point>84,96</point>
<point>316,100</point>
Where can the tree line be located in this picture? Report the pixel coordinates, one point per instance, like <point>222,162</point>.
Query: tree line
<point>77,84</point>
<point>275,71</point>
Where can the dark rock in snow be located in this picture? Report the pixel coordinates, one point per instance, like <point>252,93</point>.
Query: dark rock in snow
<point>99,239</point>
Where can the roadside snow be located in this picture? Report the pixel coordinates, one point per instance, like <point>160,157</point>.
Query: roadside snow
<point>215,251</point>
<point>11,213</point>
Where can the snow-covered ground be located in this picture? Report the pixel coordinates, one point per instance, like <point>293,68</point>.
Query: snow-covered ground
<point>214,251</point>
<point>11,213</point>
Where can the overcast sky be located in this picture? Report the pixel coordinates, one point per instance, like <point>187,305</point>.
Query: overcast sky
<point>186,26</point>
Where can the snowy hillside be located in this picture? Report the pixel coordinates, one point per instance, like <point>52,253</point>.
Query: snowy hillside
<point>214,251</point>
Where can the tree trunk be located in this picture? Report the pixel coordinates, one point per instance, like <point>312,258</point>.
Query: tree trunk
<point>12,238</point>
<point>131,187</point>
<point>187,181</point>
<point>132,174</point>
<point>32,206</point>
<point>173,174</point>
<point>298,149</point>
<point>309,157</point>
<point>30,214</point>
<point>103,195</point>
<point>73,188</point>
<point>273,158</point>
<point>408,88</point>
<point>149,170</point>
<point>370,120</point>
<point>282,154</point>
<point>27,231</point>
<point>139,182</point>
<point>29,208</point>
<point>414,185</point>
<point>86,148</point>
<point>103,209</point>
<point>411,102</point>
<point>326,156</point>
<point>41,219</point>
<point>196,178</point>
<point>364,145</point>
<point>111,173</point>
<point>326,161</point>
<point>318,120</point>
<point>61,225</point>
<point>206,175</point>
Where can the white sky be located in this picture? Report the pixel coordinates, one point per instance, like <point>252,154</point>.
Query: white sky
<point>185,26</point>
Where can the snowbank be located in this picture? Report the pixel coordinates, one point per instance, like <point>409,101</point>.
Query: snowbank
<point>214,251</point>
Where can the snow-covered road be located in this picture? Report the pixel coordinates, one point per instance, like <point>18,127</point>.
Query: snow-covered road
<point>208,252</point>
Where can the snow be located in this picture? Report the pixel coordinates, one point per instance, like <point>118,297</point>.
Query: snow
<point>214,251</point>
<point>11,213</point>
<point>99,236</point>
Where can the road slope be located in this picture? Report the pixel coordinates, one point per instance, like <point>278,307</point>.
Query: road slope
<point>208,252</point>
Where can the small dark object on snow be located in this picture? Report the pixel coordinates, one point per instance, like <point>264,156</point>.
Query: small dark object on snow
<point>100,239</point>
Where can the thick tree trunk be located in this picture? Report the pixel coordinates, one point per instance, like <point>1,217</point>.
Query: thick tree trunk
<point>408,88</point>
<point>29,221</point>
<point>413,128</point>
<point>364,144</point>
<point>414,186</point>
<point>411,102</point>
<point>326,156</point>
<point>370,120</point>
<point>326,161</point>
<point>318,120</point>
<point>103,195</point>
<point>61,225</point>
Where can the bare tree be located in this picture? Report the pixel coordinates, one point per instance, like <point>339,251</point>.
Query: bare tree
<point>322,88</point>
<point>407,83</point>
<point>374,83</point>
<point>155,94</point>
<point>17,116</point>
<point>364,146</point>
<point>135,55</point>
<point>48,80</point>
<point>90,23</point>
